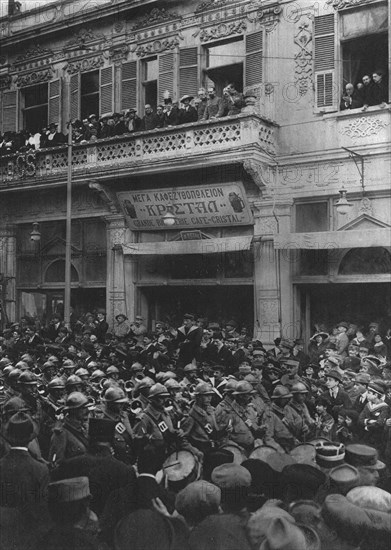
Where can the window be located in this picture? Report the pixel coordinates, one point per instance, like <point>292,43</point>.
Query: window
<point>35,109</point>
<point>89,94</point>
<point>364,55</point>
<point>312,217</point>
<point>224,64</point>
<point>150,73</point>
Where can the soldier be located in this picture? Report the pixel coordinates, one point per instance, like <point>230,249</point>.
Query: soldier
<point>73,383</point>
<point>277,427</point>
<point>28,393</point>
<point>200,427</point>
<point>52,407</point>
<point>297,416</point>
<point>178,406</point>
<point>70,436</point>
<point>113,408</point>
<point>11,385</point>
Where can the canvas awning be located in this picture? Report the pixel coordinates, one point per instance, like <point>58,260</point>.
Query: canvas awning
<point>203,246</point>
<point>334,239</point>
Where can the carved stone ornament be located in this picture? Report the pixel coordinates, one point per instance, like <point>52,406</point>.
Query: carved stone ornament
<point>107,197</point>
<point>34,78</point>
<point>34,51</point>
<point>158,46</point>
<point>303,57</point>
<point>222,30</point>
<point>363,127</point>
<point>5,82</point>
<point>342,4</point>
<point>117,54</point>
<point>83,65</point>
<point>269,311</point>
<point>84,36</point>
<point>155,17</point>
<point>365,206</point>
<point>268,17</point>
<point>210,5</point>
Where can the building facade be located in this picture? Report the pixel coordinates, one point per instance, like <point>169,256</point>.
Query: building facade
<point>256,235</point>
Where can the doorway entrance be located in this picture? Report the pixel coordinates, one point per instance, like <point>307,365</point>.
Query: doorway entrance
<point>219,304</point>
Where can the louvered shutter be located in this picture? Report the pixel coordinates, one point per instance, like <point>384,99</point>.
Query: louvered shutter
<point>106,90</point>
<point>166,75</point>
<point>129,85</point>
<point>254,59</point>
<point>74,96</point>
<point>54,107</point>
<point>326,97</point>
<point>188,71</point>
<point>9,111</point>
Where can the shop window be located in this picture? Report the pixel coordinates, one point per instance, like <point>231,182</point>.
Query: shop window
<point>35,107</point>
<point>367,261</point>
<point>89,94</point>
<point>224,64</point>
<point>312,217</point>
<point>55,273</point>
<point>238,264</point>
<point>95,268</point>
<point>194,266</point>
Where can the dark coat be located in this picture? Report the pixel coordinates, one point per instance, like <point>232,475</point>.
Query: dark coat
<point>342,401</point>
<point>188,115</point>
<point>171,118</point>
<point>354,101</point>
<point>149,122</point>
<point>101,328</point>
<point>189,342</point>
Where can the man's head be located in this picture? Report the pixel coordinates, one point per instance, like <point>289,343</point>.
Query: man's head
<point>148,109</point>
<point>377,76</point>
<point>211,91</point>
<point>159,109</point>
<point>366,79</point>
<point>202,93</point>
<point>188,320</point>
<point>349,88</point>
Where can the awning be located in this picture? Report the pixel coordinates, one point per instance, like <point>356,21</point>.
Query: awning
<point>334,239</point>
<point>204,246</point>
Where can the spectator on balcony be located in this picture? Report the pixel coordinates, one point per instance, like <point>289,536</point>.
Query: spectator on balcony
<point>187,113</point>
<point>105,129</point>
<point>149,119</point>
<point>201,102</point>
<point>351,99</point>
<point>133,122</point>
<point>171,115</point>
<point>233,99</point>
<point>119,127</point>
<point>215,105</point>
<point>55,138</point>
<point>7,144</point>
<point>366,91</point>
<point>78,132</point>
<point>380,89</point>
<point>94,127</point>
<point>160,116</point>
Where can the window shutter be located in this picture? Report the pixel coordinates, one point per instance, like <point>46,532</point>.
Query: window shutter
<point>54,107</point>
<point>9,111</point>
<point>324,63</point>
<point>106,90</point>
<point>188,71</point>
<point>254,59</point>
<point>166,75</point>
<point>129,85</point>
<point>74,96</point>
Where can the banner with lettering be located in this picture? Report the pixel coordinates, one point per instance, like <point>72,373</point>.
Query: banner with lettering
<point>199,206</point>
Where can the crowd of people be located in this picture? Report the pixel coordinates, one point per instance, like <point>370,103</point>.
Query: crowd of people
<point>194,437</point>
<point>372,90</point>
<point>207,105</point>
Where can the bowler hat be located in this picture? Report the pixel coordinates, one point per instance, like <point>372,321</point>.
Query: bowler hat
<point>20,429</point>
<point>334,374</point>
<point>69,490</point>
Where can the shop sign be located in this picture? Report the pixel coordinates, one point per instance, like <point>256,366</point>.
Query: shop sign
<point>192,207</point>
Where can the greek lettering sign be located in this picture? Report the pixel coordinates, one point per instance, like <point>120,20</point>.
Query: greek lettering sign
<point>200,206</point>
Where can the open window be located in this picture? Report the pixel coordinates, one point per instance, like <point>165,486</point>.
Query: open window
<point>224,63</point>
<point>89,96</point>
<point>35,107</point>
<point>150,73</point>
<point>364,55</point>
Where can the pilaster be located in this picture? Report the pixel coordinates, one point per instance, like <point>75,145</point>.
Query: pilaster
<point>8,271</point>
<point>115,290</point>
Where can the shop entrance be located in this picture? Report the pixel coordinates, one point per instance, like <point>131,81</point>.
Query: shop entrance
<point>358,303</point>
<point>216,303</point>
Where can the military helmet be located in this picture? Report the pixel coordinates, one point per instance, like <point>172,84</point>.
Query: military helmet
<point>28,378</point>
<point>112,370</point>
<point>115,395</point>
<point>76,400</point>
<point>243,388</point>
<point>158,390</point>
<point>56,384</point>
<point>73,380</point>
<point>299,387</point>
<point>203,388</point>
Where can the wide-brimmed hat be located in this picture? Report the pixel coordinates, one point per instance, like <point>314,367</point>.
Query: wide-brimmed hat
<point>121,315</point>
<point>186,96</point>
<point>334,374</point>
<point>324,335</point>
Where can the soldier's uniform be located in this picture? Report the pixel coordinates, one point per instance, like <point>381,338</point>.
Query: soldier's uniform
<point>201,428</point>
<point>123,434</point>
<point>298,420</point>
<point>69,439</point>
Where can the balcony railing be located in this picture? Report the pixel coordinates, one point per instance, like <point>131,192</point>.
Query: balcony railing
<point>140,149</point>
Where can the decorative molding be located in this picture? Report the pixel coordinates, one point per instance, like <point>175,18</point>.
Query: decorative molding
<point>106,196</point>
<point>365,206</point>
<point>34,78</point>
<point>222,30</point>
<point>117,54</point>
<point>343,4</point>
<point>268,311</point>
<point>158,46</point>
<point>363,127</point>
<point>303,58</point>
<point>154,17</point>
<point>5,82</point>
<point>268,17</point>
<point>83,36</point>
<point>255,170</point>
<point>35,51</point>
<point>83,65</point>
<point>210,5</point>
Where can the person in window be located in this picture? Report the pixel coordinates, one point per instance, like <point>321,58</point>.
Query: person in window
<point>55,138</point>
<point>215,105</point>
<point>171,115</point>
<point>119,125</point>
<point>188,113</point>
<point>160,116</point>
<point>105,128</point>
<point>233,99</point>
<point>351,99</point>
<point>133,122</point>
<point>366,91</point>
<point>379,90</point>
<point>149,119</point>
<point>201,102</point>
<point>94,127</point>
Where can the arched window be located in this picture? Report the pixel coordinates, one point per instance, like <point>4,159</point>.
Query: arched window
<point>366,261</point>
<point>55,273</point>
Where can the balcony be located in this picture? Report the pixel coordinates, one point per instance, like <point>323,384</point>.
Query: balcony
<point>165,149</point>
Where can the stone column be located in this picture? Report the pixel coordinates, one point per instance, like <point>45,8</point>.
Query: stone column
<point>8,270</point>
<point>115,288</point>
<point>272,279</point>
